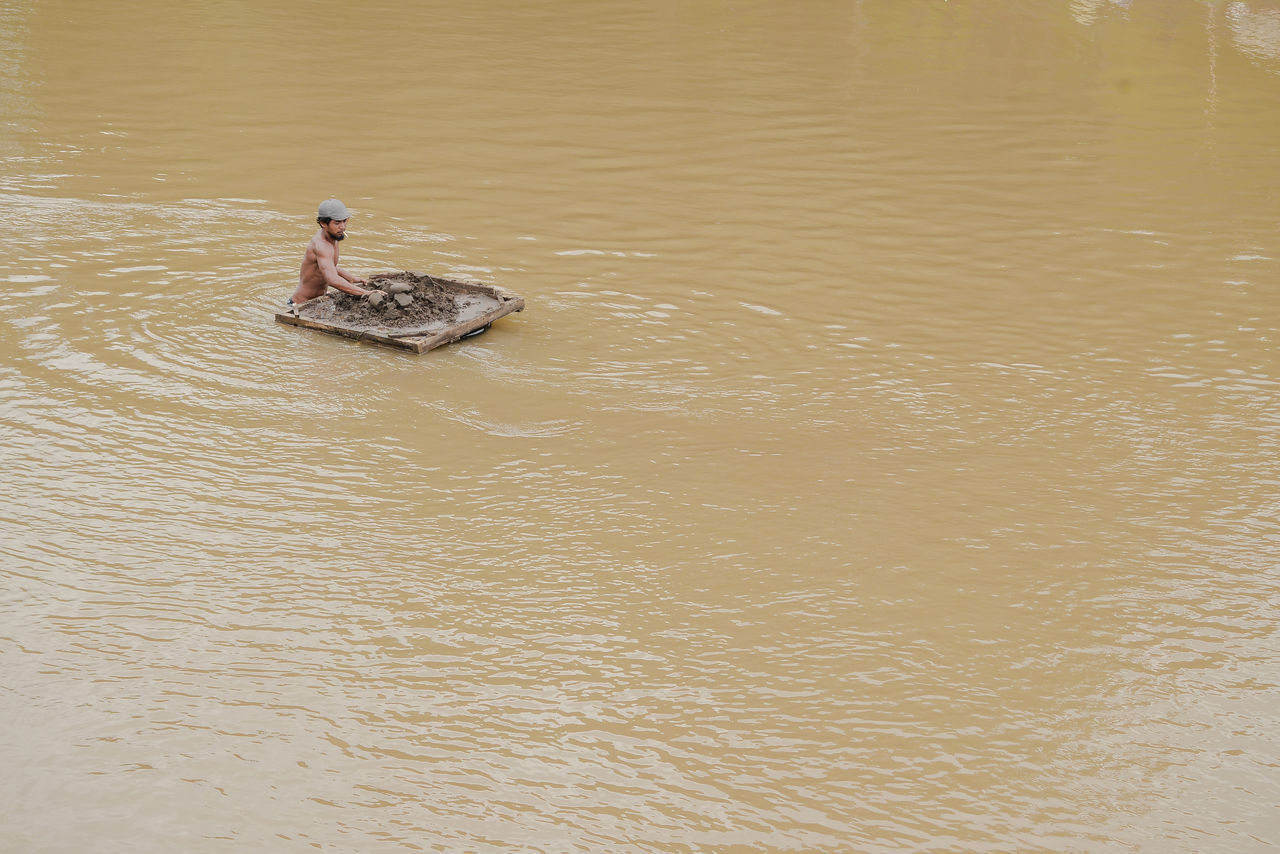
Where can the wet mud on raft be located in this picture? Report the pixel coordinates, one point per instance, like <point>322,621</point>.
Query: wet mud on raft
<point>419,312</point>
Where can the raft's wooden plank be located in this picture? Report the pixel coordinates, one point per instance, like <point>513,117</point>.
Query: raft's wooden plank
<point>453,333</point>
<point>506,305</point>
<point>295,320</point>
<point>415,332</point>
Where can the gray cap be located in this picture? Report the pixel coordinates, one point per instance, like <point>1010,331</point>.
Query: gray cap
<point>333,209</point>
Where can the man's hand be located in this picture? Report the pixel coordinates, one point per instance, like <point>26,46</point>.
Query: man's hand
<point>368,292</point>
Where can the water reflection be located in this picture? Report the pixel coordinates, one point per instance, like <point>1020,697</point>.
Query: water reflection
<point>1255,28</point>
<point>1256,31</point>
<point>1087,11</point>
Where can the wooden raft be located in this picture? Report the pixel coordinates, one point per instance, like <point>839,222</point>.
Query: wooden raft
<point>482,305</point>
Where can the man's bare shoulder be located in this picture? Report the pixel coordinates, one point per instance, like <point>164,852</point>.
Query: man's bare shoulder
<point>321,247</point>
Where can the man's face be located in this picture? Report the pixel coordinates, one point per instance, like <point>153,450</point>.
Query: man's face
<point>337,229</point>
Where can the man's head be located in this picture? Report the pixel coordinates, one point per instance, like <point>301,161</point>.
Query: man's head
<point>332,217</point>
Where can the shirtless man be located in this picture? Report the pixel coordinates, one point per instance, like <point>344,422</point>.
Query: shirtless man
<point>320,269</point>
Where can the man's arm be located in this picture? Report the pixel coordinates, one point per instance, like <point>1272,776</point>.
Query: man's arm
<point>355,280</point>
<point>333,277</point>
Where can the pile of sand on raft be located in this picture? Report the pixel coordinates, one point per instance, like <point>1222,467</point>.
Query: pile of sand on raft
<point>432,303</point>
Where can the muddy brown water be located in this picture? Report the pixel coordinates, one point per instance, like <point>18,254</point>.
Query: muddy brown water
<point>885,460</point>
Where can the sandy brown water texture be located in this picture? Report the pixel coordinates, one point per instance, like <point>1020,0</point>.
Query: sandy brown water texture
<point>887,458</point>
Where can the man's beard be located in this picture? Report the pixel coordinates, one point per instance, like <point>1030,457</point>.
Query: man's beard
<point>339,237</point>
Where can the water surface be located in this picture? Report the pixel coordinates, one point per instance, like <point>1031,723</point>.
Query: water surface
<point>886,459</point>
